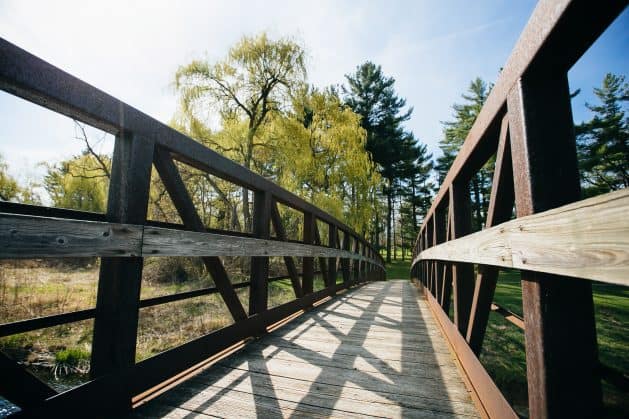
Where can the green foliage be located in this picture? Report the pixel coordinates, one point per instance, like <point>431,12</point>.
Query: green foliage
<point>11,190</point>
<point>454,134</point>
<point>79,183</point>
<point>322,157</point>
<point>603,141</point>
<point>253,82</point>
<point>371,95</point>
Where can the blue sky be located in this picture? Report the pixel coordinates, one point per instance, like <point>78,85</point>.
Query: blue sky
<point>132,49</point>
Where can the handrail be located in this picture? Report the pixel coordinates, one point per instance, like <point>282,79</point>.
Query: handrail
<point>123,237</point>
<point>526,123</point>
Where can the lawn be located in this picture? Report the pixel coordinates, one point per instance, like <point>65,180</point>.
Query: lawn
<point>503,352</point>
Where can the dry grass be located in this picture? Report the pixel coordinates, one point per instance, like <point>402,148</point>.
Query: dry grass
<point>59,354</point>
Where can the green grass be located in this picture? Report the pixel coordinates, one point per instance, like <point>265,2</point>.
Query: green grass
<point>398,269</point>
<point>503,351</point>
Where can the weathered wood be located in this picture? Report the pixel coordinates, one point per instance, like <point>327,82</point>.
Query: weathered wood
<point>329,371</point>
<point>462,273</point>
<point>23,236</point>
<point>586,239</point>
<point>185,207</point>
<point>557,337</point>
<point>259,290</point>
<point>500,209</point>
<point>280,232</point>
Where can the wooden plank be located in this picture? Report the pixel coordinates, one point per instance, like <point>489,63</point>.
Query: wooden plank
<point>259,289</point>
<point>185,207</point>
<point>280,232</point>
<point>166,242</point>
<point>587,239</point>
<point>500,209</point>
<point>23,236</point>
<point>561,346</point>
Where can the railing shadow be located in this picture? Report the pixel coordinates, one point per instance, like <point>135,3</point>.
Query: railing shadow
<point>388,359</point>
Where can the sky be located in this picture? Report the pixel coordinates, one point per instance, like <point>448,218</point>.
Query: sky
<point>131,50</point>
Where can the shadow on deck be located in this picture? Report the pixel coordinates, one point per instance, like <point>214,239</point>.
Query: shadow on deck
<point>374,351</point>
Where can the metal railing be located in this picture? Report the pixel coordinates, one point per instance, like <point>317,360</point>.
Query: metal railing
<point>123,237</point>
<point>556,240</point>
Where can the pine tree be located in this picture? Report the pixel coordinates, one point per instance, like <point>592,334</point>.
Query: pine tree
<point>603,142</point>
<point>371,95</point>
<point>454,134</point>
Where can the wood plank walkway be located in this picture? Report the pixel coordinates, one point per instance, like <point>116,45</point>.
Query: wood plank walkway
<point>375,351</point>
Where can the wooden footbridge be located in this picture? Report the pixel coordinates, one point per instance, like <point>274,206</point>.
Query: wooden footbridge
<point>359,346</point>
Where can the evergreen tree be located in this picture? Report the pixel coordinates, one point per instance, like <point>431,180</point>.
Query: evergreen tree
<point>603,142</point>
<point>454,134</point>
<point>371,95</point>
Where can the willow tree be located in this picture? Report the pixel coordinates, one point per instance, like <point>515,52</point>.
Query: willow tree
<point>323,157</point>
<point>254,81</point>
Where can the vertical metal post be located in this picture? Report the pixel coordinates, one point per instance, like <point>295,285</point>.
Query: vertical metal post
<point>308,262</point>
<point>118,296</point>
<point>332,232</point>
<point>561,349</point>
<point>462,273</point>
<point>259,288</point>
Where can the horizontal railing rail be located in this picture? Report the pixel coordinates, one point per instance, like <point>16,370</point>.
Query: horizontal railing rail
<point>123,237</point>
<point>557,241</point>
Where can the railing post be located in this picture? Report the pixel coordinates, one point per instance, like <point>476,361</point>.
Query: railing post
<point>259,288</point>
<point>308,262</point>
<point>118,296</point>
<point>462,273</point>
<point>561,349</point>
<point>345,262</point>
<point>332,231</point>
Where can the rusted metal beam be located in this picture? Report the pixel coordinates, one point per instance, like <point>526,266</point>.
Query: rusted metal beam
<point>288,260</point>
<point>500,209</point>
<point>185,207</point>
<point>259,289</point>
<point>561,349</point>
<point>462,273</point>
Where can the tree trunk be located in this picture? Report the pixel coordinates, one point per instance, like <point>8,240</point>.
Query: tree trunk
<point>389,210</point>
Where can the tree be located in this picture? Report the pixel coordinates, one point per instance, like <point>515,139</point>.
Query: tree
<point>454,134</point>
<point>371,95</point>
<point>11,190</point>
<point>254,81</point>
<point>603,141</point>
<point>323,157</point>
<point>79,183</point>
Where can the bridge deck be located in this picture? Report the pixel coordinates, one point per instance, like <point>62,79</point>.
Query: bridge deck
<point>374,351</point>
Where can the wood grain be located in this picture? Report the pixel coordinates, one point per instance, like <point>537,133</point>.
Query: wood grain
<point>24,236</point>
<point>587,239</point>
